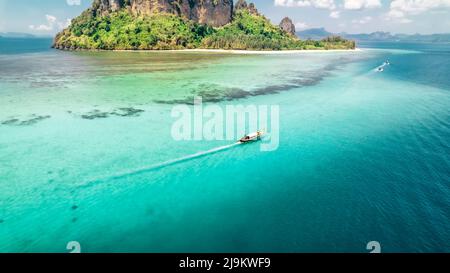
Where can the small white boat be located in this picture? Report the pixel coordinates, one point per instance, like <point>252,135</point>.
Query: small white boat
<point>382,67</point>
<point>252,137</point>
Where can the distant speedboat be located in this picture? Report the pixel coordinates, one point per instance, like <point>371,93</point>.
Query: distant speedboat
<point>380,69</point>
<point>387,63</point>
<point>252,137</point>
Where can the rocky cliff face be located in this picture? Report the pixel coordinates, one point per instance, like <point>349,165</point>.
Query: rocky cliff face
<point>212,12</point>
<point>242,5</point>
<point>287,25</point>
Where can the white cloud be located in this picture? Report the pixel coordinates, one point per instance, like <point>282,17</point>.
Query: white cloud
<point>418,6</point>
<point>73,2</point>
<point>48,27</point>
<point>52,24</point>
<point>301,25</point>
<point>393,13</point>
<point>41,27</point>
<point>405,21</point>
<point>361,4</point>
<point>63,25</point>
<point>321,4</point>
<point>292,3</point>
<point>335,14</point>
<point>324,4</point>
<point>401,9</point>
<point>362,21</point>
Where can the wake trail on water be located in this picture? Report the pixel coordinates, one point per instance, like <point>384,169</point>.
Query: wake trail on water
<point>174,161</point>
<point>167,163</point>
<point>381,68</point>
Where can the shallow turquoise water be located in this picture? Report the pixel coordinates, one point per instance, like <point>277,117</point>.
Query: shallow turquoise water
<point>363,156</point>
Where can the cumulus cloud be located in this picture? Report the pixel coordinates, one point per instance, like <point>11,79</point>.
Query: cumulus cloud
<point>330,4</point>
<point>73,2</point>
<point>292,3</point>
<point>45,27</point>
<point>401,9</point>
<point>361,4</point>
<point>52,24</point>
<point>301,25</point>
<point>362,21</point>
<point>321,4</point>
<point>65,24</point>
<point>418,6</point>
<point>335,14</point>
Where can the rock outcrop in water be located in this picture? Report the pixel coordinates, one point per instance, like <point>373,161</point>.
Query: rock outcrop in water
<point>287,25</point>
<point>211,12</point>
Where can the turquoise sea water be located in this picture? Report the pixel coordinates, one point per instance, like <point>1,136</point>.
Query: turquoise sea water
<point>363,156</point>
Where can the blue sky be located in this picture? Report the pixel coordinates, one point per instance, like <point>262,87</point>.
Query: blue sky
<point>46,17</point>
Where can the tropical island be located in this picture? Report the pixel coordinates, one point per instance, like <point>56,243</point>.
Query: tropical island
<point>183,24</point>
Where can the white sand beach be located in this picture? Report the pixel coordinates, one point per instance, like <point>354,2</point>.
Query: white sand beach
<point>233,51</point>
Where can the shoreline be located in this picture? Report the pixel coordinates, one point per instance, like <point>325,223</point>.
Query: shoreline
<point>225,51</point>
<point>269,52</point>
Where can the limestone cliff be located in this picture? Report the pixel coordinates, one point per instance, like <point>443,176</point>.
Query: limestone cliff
<point>242,5</point>
<point>211,12</point>
<point>287,25</point>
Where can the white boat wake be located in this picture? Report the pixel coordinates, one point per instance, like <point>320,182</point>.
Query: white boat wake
<point>382,67</point>
<point>164,164</point>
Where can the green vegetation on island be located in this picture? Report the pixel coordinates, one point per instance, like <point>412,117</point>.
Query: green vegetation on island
<point>123,30</point>
<point>250,31</point>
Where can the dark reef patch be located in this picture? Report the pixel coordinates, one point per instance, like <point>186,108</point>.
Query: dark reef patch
<point>187,101</point>
<point>74,207</point>
<point>216,93</point>
<point>127,112</point>
<point>13,121</point>
<point>273,89</point>
<point>230,94</point>
<point>2,221</point>
<point>33,119</point>
<point>95,114</point>
<point>119,112</point>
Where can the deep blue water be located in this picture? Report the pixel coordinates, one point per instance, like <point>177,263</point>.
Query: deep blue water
<point>429,67</point>
<point>24,45</point>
